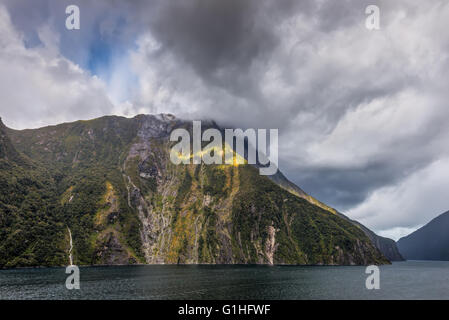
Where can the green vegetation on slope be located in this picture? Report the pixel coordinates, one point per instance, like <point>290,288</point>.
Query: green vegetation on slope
<point>111,182</point>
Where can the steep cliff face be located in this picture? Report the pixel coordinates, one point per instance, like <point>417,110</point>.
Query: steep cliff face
<point>126,202</point>
<point>387,246</point>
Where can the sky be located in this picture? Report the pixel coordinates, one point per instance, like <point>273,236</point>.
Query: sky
<point>362,114</point>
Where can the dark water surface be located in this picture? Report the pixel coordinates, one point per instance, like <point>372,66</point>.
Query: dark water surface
<point>402,280</point>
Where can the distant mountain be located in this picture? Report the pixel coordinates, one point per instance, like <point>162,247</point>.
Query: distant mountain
<point>430,242</point>
<point>111,182</point>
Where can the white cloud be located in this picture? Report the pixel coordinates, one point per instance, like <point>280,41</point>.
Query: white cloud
<point>397,232</point>
<point>38,86</point>
<point>361,93</point>
<point>381,129</point>
<point>409,204</point>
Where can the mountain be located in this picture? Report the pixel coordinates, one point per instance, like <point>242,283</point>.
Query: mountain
<point>385,245</point>
<point>431,242</point>
<point>111,182</point>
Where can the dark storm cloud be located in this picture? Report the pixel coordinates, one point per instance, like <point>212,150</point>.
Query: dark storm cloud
<point>218,39</point>
<point>345,188</point>
<point>223,41</point>
<point>213,34</point>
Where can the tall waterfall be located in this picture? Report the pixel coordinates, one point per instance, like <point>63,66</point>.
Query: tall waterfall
<point>71,247</point>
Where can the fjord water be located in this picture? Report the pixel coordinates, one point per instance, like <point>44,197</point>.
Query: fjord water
<point>402,280</point>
